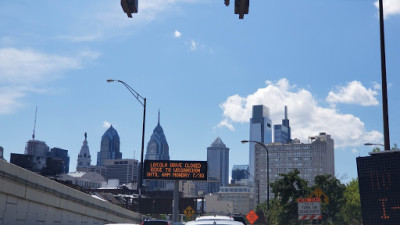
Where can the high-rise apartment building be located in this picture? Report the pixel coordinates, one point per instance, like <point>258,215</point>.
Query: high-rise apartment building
<point>218,165</point>
<point>239,172</point>
<point>157,149</point>
<point>109,148</point>
<point>84,158</point>
<point>125,170</point>
<point>282,133</point>
<point>311,159</point>
<point>260,130</point>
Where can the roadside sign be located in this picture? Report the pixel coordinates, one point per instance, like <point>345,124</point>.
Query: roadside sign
<point>319,193</point>
<point>188,212</point>
<point>309,208</point>
<point>252,217</point>
<point>175,170</point>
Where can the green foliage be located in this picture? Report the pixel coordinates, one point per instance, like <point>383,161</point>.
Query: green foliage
<point>283,208</point>
<point>351,211</point>
<point>395,147</point>
<point>335,192</point>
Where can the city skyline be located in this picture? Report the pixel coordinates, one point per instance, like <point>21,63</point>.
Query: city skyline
<point>203,67</point>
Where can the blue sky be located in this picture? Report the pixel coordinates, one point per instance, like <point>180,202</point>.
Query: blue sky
<point>202,67</point>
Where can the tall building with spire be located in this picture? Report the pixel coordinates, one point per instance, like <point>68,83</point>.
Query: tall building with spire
<point>157,149</point>
<point>84,159</point>
<point>282,131</point>
<point>218,165</point>
<point>260,130</point>
<point>109,148</point>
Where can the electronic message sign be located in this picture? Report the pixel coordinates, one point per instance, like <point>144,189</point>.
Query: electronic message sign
<point>175,170</point>
<point>379,183</point>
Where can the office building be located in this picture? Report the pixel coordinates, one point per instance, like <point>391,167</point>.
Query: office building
<point>310,159</point>
<point>125,170</point>
<point>239,172</point>
<point>260,130</point>
<point>84,158</point>
<point>157,149</point>
<point>61,154</point>
<point>109,148</point>
<point>282,131</point>
<point>218,165</point>
<point>242,198</point>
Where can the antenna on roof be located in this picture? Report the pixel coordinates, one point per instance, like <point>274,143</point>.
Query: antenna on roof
<point>34,125</point>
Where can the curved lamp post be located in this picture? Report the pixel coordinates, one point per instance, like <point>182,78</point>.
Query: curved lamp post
<point>142,101</point>
<point>266,149</point>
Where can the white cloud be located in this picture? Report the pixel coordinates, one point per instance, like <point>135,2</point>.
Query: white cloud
<point>9,100</point>
<point>22,70</point>
<point>177,34</point>
<point>306,117</point>
<point>225,123</point>
<point>193,45</point>
<point>26,66</point>
<point>390,7</point>
<point>106,124</point>
<point>353,93</point>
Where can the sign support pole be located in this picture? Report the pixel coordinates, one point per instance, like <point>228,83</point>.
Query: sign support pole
<point>175,204</point>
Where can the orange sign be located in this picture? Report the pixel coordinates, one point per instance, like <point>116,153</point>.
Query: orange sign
<point>252,217</point>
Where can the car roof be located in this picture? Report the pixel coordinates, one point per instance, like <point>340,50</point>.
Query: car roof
<point>213,222</point>
<point>215,217</point>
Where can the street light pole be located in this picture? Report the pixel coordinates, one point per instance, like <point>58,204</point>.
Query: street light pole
<point>142,101</point>
<point>266,149</point>
<point>384,82</point>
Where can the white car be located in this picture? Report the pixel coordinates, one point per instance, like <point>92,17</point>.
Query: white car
<point>215,217</point>
<point>214,220</point>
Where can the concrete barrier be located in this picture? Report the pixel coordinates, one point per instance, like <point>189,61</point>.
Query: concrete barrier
<point>29,198</point>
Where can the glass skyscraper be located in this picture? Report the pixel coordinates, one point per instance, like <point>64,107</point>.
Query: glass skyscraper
<point>218,165</point>
<point>109,146</point>
<point>260,130</point>
<point>282,131</point>
<point>157,149</point>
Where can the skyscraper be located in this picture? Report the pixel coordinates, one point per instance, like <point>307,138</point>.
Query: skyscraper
<point>282,131</point>
<point>84,159</point>
<point>240,172</point>
<point>218,165</point>
<point>157,149</point>
<point>60,154</point>
<point>260,130</point>
<point>109,146</point>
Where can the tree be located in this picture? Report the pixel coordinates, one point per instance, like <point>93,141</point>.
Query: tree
<point>351,211</point>
<point>335,192</point>
<point>283,208</point>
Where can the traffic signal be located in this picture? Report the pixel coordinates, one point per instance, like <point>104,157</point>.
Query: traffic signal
<point>129,7</point>
<point>241,7</point>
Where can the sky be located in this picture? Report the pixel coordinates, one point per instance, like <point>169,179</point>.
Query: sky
<point>202,68</point>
